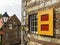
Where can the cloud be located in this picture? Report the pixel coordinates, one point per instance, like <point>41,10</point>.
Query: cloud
<point>11,7</point>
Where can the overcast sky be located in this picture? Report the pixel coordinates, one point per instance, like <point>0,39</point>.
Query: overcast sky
<point>11,7</point>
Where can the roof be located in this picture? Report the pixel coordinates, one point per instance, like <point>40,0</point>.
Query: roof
<point>5,14</point>
<point>10,17</point>
<point>15,18</point>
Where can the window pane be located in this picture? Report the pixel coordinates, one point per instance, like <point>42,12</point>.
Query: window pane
<point>35,28</point>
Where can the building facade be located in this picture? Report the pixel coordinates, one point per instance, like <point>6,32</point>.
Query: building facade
<point>11,29</point>
<point>30,11</point>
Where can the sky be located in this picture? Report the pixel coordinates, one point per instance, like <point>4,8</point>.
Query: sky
<point>11,7</point>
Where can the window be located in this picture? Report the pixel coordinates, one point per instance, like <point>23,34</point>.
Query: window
<point>32,23</point>
<point>10,26</point>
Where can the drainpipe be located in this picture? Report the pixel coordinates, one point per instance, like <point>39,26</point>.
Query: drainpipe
<point>22,33</point>
<point>22,40</point>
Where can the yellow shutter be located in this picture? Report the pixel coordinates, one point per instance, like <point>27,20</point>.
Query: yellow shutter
<point>49,22</point>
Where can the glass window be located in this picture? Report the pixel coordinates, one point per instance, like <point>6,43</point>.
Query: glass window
<point>10,26</point>
<point>32,23</point>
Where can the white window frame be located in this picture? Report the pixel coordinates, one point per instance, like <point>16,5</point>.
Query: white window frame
<point>32,25</point>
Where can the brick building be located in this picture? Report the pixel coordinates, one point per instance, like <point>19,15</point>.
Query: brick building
<point>11,29</point>
<point>30,17</point>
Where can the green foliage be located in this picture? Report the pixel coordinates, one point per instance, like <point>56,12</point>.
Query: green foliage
<point>0,15</point>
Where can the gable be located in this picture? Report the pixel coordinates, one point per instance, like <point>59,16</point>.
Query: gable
<point>14,20</point>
